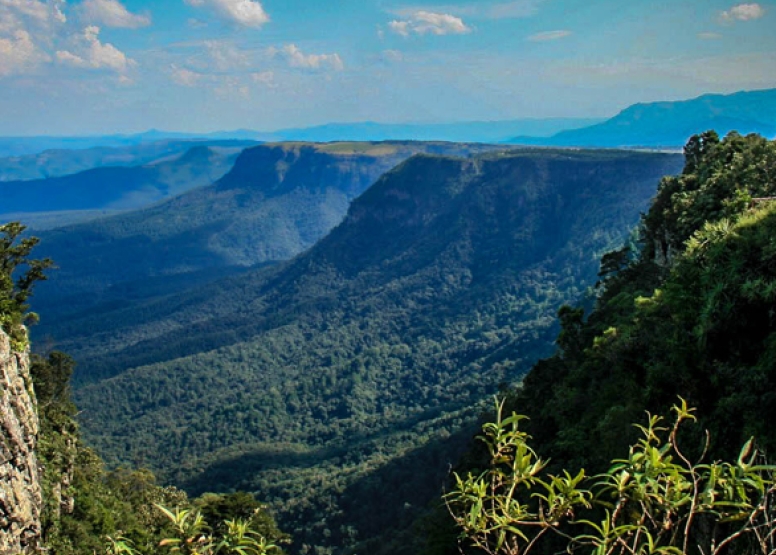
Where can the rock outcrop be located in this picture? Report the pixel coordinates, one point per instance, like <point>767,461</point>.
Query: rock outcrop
<point>20,490</point>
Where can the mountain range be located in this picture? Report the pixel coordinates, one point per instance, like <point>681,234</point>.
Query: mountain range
<point>671,124</point>
<point>477,131</point>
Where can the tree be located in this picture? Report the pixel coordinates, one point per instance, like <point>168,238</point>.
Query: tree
<point>15,292</point>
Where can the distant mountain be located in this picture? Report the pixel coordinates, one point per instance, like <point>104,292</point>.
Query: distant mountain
<point>670,124</point>
<point>480,132</point>
<point>467,132</point>
<point>57,163</point>
<point>275,202</point>
<point>308,380</point>
<point>110,189</point>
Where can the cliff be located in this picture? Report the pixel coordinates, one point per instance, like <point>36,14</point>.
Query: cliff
<point>20,493</point>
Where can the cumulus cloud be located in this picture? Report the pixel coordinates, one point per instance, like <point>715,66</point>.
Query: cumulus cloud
<point>42,11</point>
<point>30,15</point>
<point>93,54</point>
<point>422,22</point>
<point>248,13</point>
<point>743,12</point>
<point>297,58</point>
<point>19,54</point>
<point>112,13</point>
<point>549,35</point>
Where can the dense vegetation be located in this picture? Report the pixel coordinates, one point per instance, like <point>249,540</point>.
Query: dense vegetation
<point>87,510</point>
<point>313,382</point>
<point>689,313</point>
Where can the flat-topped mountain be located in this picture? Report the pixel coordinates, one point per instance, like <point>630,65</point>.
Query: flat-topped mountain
<point>276,201</point>
<point>301,380</point>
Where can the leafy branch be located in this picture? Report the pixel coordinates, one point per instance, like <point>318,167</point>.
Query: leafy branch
<point>655,501</point>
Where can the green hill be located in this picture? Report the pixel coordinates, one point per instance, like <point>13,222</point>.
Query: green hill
<point>309,381</point>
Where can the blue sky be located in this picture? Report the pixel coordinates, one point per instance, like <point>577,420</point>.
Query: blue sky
<point>106,66</point>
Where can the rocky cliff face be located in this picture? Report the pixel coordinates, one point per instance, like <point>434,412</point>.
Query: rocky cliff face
<point>20,492</point>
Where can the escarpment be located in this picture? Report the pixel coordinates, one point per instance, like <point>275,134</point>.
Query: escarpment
<point>20,490</point>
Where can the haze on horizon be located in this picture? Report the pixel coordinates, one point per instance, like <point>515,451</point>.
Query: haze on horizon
<point>120,66</point>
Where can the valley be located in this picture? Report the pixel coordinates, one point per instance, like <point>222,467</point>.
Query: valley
<point>360,355</point>
<point>439,280</point>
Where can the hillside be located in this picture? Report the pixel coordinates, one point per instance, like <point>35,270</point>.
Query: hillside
<point>275,202</point>
<point>57,163</point>
<point>671,124</point>
<point>309,380</point>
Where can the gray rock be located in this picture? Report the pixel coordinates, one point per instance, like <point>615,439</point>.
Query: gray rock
<point>20,491</point>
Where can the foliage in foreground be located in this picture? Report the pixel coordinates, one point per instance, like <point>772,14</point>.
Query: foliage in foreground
<point>655,501</point>
<point>191,535</point>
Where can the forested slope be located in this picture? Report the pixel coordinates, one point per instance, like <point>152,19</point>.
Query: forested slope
<point>276,201</point>
<point>306,381</point>
<point>691,314</point>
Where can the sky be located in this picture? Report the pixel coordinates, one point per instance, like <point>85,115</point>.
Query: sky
<point>81,67</point>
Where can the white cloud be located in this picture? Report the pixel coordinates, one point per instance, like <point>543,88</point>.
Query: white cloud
<point>93,54</point>
<point>19,54</point>
<point>249,13</point>
<point>549,35</point>
<point>297,58</point>
<point>400,27</point>
<point>422,22</point>
<point>112,13</point>
<point>185,77</point>
<point>38,15</point>
<point>709,36</point>
<point>40,10</point>
<point>743,12</point>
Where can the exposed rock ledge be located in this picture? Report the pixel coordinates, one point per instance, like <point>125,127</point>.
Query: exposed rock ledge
<point>20,492</point>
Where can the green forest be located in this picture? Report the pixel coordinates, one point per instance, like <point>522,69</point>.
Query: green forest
<point>341,385</point>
